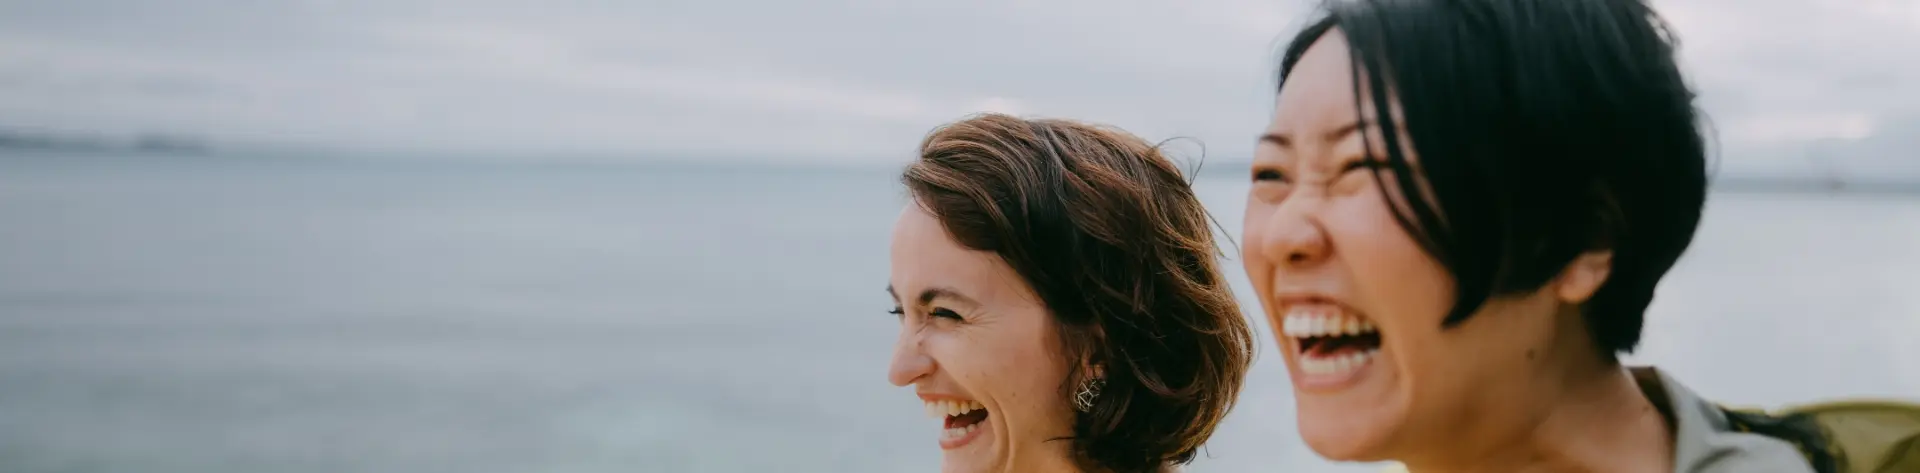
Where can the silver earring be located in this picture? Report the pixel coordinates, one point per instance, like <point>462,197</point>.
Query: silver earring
<point>1089,392</point>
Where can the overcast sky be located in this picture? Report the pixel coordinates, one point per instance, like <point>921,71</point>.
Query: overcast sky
<point>836,80</point>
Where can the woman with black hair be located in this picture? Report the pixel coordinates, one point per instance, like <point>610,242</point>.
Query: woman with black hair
<point>1459,215</point>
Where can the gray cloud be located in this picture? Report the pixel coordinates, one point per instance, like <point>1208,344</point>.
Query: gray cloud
<point>845,80</point>
<point>1790,83</point>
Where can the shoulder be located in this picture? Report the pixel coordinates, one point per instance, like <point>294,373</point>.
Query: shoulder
<point>1706,440</point>
<point>1748,453</point>
<point>1868,436</point>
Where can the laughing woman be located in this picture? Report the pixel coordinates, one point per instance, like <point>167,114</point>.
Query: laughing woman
<point>1060,306</point>
<point>1459,214</point>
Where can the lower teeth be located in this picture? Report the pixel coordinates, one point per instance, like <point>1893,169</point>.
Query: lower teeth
<point>957,432</point>
<point>1316,364</point>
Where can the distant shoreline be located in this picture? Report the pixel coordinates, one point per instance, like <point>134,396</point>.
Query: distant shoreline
<point>1808,186</point>
<point>1746,184</point>
<point>146,143</point>
<point>1209,170</point>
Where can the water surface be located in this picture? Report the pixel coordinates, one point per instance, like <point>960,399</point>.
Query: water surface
<point>290,317</point>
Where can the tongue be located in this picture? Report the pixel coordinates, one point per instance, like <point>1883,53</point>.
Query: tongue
<point>967,419</point>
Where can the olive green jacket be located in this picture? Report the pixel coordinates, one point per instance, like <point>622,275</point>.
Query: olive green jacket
<point>1833,437</point>
<point>1705,441</point>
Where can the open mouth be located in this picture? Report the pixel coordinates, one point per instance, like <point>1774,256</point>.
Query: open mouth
<point>1330,340</point>
<point>960,417</point>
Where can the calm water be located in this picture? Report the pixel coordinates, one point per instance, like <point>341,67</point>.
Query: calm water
<point>302,317</point>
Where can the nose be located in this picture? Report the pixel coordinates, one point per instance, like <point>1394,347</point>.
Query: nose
<point>910,361</point>
<point>1290,235</point>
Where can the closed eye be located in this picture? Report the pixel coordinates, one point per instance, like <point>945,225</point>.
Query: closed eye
<point>897,312</point>
<point>1367,164</point>
<point>944,313</point>
<point>1269,174</point>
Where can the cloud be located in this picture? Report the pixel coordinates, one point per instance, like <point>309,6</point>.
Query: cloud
<point>834,80</point>
<point>1786,80</point>
<point>1891,152</point>
<point>1806,127</point>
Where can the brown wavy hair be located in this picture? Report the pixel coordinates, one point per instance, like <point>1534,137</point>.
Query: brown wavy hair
<point>1108,232</point>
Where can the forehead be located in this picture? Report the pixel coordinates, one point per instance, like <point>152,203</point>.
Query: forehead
<point>924,255</point>
<point>1319,89</point>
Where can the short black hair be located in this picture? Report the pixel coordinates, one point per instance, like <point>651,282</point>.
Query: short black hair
<point>1545,129</point>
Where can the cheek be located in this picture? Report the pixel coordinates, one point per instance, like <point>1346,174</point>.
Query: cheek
<point>1251,220</point>
<point>1402,288</point>
<point>1252,233</point>
<point>1012,366</point>
<point>1033,373</point>
<point>1028,382</point>
<point>1391,272</point>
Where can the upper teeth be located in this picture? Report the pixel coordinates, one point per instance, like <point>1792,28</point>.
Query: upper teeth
<point>944,408</point>
<point>1303,322</point>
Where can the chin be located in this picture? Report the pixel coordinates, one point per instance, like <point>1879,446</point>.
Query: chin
<point>950,464</point>
<point>1343,449</point>
<point>1345,434</point>
<point>1338,443</point>
<point>969,460</point>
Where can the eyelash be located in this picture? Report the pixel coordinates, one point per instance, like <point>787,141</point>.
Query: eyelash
<point>1275,175</point>
<point>1372,164</point>
<point>936,312</point>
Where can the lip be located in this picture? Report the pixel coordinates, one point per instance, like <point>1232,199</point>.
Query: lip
<point>930,397</point>
<point>962,441</point>
<point>1287,298</point>
<point>1319,383</point>
<point>1283,302</point>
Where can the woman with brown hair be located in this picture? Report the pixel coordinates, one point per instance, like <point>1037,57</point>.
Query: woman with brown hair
<point>1060,306</point>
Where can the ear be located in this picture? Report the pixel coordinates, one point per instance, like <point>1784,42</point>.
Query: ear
<point>1583,276</point>
<point>1093,363</point>
<point>1093,369</point>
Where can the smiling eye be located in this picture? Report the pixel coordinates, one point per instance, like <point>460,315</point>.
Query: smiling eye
<point>1363,163</point>
<point>1268,175</point>
<point>897,312</point>
<point>943,313</point>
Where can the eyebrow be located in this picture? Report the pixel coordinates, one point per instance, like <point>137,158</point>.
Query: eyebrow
<point>931,293</point>
<point>1338,133</point>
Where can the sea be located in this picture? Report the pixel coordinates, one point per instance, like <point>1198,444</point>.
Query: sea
<point>225,314</point>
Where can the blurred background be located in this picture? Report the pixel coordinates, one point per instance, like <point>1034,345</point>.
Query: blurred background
<point>593,236</point>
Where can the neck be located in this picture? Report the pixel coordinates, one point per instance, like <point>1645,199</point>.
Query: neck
<point>1050,457</point>
<point>1572,408</point>
<point>1595,419</point>
<point>1064,462</point>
